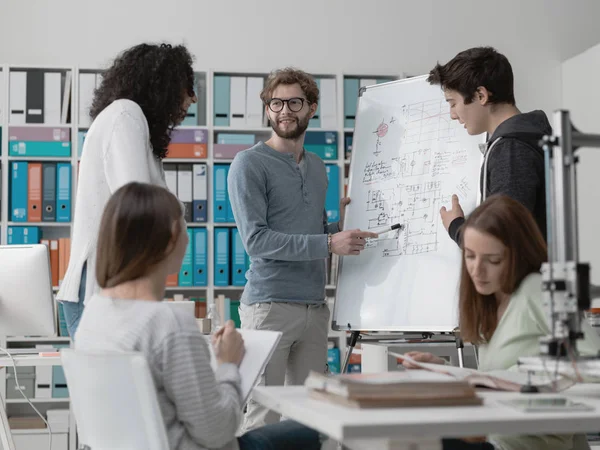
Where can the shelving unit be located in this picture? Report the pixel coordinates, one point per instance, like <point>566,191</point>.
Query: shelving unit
<point>204,116</point>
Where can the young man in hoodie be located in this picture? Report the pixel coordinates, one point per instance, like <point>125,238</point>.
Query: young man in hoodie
<point>478,86</point>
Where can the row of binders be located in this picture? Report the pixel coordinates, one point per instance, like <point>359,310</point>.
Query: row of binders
<point>40,192</point>
<point>230,259</point>
<point>38,382</point>
<point>39,96</point>
<point>237,102</point>
<point>39,141</point>
<point>186,143</point>
<point>189,183</point>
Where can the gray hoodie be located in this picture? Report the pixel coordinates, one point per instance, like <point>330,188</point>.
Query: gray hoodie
<point>514,166</point>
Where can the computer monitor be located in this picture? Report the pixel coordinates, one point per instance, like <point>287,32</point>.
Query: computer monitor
<point>26,299</point>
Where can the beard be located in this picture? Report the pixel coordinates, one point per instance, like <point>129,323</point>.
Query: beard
<point>294,133</point>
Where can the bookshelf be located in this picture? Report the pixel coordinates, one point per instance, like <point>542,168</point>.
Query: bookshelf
<point>75,98</point>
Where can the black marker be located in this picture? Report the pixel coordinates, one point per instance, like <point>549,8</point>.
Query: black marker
<point>396,226</point>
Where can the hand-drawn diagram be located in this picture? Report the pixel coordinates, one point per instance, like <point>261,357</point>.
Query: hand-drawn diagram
<point>415,206</point>
<point>415,163</point>
<point>381,131</point>
<point>411,185</point>
<point>428,121</point>
<point>463,188</point>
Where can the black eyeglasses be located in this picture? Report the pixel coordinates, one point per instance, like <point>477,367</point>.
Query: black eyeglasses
<point>295,104</point>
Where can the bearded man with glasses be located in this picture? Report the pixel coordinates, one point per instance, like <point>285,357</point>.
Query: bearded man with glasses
<point>277,192</point>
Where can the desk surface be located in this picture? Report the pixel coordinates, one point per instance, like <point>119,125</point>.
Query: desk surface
<point>30,360</point>
<point>492,417</point>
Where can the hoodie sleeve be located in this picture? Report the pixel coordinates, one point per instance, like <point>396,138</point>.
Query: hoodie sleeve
<point>516,170</point>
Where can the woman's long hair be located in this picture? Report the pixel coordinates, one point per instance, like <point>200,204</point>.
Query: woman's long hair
<point>512,224</point>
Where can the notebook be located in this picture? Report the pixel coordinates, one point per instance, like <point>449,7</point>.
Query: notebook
<point>259,345</point>
<point>501,380</point>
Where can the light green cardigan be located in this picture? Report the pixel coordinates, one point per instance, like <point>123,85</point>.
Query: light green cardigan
<point>517,334</point>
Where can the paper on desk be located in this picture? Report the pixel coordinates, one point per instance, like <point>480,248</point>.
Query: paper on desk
<point>504,380</point>
<point>259,346</point>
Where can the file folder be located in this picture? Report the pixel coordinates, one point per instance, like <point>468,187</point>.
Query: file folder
<point>332,199</point>
<point>221,100</point>
<point>328,103</point>
<point>221,256</point>
<point>351,86</point>
<point>315,122</point>
<point>184,189</point>
<point>87,85</point>
<point>15,235</point>
<point>254,105</point>
<point>200,257</point>
<point>17,97</point>
<point>186,272</point>
<point>220,199</point>
<point>49,192</point>
<point>238,259</point>
<point>52,97</point>
<point>237,102</point>
<point>191,116</point>
<point>171,177</point>
<point>200,194</point>
<point>322,143</point>
<point>34,112</point>
<point>19,183</point>
<point>63,192</point>
<point>34,200</point>
<point>31,235</point>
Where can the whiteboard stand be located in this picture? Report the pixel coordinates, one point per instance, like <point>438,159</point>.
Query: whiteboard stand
<point>460,347</point>
<point>354,336</point>
<point>379,353</point>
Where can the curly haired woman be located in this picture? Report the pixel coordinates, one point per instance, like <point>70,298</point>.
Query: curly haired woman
<point>144,94</point>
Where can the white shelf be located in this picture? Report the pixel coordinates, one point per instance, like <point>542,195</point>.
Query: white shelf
<point>40,158</point>
<point>224,224</point>
<point>223,161</point>
<point>37,400</point>
<point>37,431</point>
<point>197,224</point>
<point>39,339</point>
<point>243,129</point>
<point>39,224</point>
<point>184,160</point>
<point>229,288</point>
<point>192,127</point>
<point>186,288</point>
<point>41,125</point>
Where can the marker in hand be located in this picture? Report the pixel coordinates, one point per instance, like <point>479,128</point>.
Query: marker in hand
<point>396,226</point>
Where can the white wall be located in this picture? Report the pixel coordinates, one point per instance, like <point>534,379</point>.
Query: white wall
<point>327,36</point>
<point>582,98</point>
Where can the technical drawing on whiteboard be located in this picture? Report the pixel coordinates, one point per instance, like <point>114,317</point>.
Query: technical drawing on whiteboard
<point>416,207</point>
<point>428,121</point>
<point>398,200</point>
<point>381,131</point>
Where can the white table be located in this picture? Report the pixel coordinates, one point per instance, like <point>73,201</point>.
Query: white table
<point>19,360</point>
<point>422,428</point>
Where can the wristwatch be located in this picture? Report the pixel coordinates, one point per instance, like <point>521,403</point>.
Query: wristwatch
<point>329,243</point>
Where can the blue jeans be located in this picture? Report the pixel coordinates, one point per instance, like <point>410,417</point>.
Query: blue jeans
<point>288,435</point>
<point>74,310</point>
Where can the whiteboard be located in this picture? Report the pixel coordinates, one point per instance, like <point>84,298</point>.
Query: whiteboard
<point>408,158</point>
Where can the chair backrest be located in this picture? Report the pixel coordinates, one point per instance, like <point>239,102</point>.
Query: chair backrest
<point>114,400</point>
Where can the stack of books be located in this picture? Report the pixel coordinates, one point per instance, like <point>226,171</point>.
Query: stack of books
<point>392,389</point>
